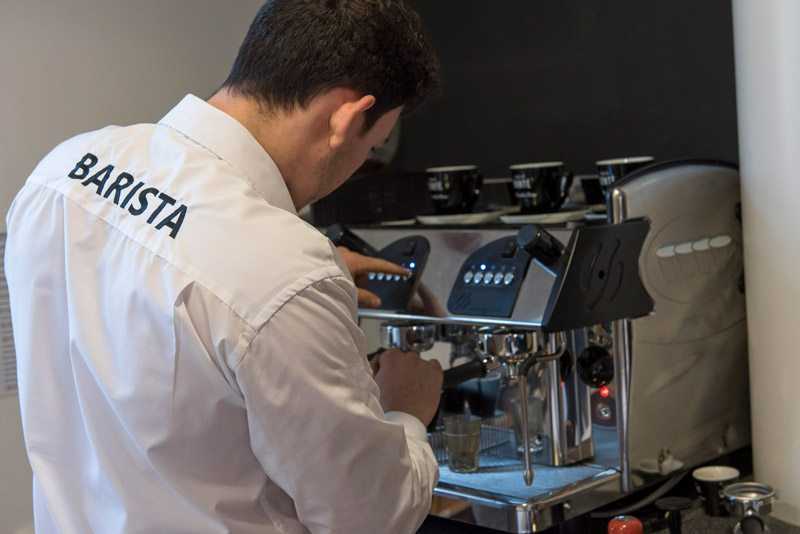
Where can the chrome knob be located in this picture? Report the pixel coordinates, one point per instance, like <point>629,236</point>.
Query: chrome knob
<point>408,337</point>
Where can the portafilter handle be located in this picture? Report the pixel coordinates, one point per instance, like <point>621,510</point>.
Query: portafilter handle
<point>408,336</point>
<point>749,501</point>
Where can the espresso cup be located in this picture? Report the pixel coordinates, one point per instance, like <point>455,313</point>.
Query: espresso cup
<point>540,187</point>
<point>612,170</point>
<point>592,190</point>
<point>454,189</point>
<point>709,482</point>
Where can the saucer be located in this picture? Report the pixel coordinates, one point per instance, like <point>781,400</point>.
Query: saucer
<point>401,222</point>
<point>558,217</point>
<point>465,218</point>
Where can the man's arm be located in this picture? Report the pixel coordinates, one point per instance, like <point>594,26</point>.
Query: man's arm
<point>317,425</point>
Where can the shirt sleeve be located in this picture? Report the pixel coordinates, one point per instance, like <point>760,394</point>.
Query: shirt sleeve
<point>317,426</point>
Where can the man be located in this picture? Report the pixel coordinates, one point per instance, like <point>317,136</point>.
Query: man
<point>190,359</point>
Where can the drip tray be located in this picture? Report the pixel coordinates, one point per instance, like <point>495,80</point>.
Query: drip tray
<point>498,480</point>
<point>504,485</point>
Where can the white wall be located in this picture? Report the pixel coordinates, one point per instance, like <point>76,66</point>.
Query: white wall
<point>68,67</point>
<point>767,42</point>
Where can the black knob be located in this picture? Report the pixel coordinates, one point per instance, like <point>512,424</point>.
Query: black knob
<point>542,246</point>
<point>341,236</point>
<point>595,366</point>
<point>673,506</point>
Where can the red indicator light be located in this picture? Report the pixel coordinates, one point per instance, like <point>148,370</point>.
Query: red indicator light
<point>604,392</point>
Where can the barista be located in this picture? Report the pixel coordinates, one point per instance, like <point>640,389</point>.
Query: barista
<point>189,356</point>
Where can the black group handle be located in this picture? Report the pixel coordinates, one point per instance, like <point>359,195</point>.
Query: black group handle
<point>461,373</point>
<point>542,246</point>
<point>673,506</point>
<point>343,237</point>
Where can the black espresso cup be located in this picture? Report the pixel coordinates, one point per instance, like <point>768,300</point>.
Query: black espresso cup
<point>612,170</point>
<point>454,189</point>
<point>540,187</point>
<point>709,482</point>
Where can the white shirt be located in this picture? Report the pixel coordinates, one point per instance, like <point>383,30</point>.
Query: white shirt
<point>189,353</point>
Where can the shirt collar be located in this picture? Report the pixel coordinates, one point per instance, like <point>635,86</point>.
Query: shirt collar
<point>229,140</point>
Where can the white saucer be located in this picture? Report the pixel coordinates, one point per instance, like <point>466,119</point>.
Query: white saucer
<point>558,217</point>
<point>465,218</point>
<point>651,467</point>
<point>401,222</point>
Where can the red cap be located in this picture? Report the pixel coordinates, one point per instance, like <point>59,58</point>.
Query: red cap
<point>625,524</point>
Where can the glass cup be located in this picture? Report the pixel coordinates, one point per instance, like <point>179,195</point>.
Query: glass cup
<point>462,440</point>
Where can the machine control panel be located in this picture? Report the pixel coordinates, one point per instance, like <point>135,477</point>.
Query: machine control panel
<point>394,290</point>
<point>489,281</point>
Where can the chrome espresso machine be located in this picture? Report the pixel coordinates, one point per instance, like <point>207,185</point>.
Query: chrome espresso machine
<point>602,357</point>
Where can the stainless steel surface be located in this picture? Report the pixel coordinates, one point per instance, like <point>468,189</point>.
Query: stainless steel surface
<point>749,498</point>
<point>516,343</point>
<point>408,336</point>
<point>558,494</point>
<point>681,373</point>
<point>520,352</point>
<point>622,363</point>
<point>527,473</point>
<point>449,248</point>
<point>513,349</point>
<point>510,346</point>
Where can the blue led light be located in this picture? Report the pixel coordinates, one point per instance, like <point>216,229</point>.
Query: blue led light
<point>412,265</point>
<point>483,267</point>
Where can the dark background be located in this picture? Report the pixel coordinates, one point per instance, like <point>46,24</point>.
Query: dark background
<point>575,80</point>
<point>570,80</point>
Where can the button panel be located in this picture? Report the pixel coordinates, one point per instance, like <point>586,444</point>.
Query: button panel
<point>396,290</point>
<point>489,280</point>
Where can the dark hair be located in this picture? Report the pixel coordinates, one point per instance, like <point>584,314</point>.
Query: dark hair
<point>298,49</point>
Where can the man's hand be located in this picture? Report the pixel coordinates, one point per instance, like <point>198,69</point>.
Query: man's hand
<point>409,384</point>
<point>360,266</point>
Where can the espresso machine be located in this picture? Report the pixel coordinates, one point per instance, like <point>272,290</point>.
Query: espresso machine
<point>626,337</point>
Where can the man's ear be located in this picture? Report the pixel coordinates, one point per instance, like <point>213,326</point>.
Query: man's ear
<point>348,119</point>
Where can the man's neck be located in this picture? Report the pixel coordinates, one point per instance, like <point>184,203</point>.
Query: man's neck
<point>281,136</point>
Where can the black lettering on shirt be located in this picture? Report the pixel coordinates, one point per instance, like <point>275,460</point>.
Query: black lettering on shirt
<point>143,200</point>
<point>130,195</point>
<point>174,225</point>
<point>86,162</point>
<point>165,199</point>
<point>123,181</point>
<point>100,178</point>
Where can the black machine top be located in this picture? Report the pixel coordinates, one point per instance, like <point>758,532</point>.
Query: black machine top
<point>596,276</point>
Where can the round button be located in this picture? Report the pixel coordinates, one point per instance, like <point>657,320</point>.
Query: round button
<point>595,366</point>
<point>478,277</point>
<point>488,278</point>
<point>379,276</point>
<point>468,277</point>
<point>498,277</point>
<point>508,278</point>
<point>371,276</point>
